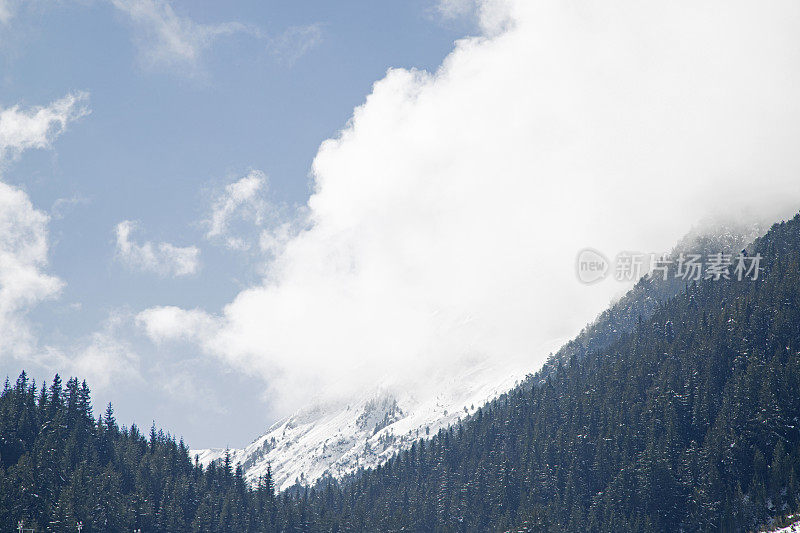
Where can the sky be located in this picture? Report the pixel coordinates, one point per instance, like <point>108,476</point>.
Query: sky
<point>218,213</point>
<point>170,103</point>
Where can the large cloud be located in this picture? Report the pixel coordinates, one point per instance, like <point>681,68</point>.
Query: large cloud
<point>446,216</point>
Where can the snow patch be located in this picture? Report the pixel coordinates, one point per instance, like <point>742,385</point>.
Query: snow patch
<point>794,527</point>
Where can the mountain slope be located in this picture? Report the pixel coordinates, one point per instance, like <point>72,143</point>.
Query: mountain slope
<point>648,293</point>
<point>690,422</point>
<point>338,439</point>
<point>793,526</point>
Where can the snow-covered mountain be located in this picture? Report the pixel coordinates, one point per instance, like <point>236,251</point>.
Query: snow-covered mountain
<point>337,438</point>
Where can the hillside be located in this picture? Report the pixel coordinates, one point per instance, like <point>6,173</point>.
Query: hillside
<point>688,423</point>
<point>337,439</point>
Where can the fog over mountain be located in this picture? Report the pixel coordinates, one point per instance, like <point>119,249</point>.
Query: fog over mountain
<point>447,214</point>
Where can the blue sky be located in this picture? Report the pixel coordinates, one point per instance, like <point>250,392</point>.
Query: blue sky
<point>163,138</point>
<point>188,132</point>
<point>221,212</point>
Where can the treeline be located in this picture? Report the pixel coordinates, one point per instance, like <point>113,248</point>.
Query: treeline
<point>60,466</point>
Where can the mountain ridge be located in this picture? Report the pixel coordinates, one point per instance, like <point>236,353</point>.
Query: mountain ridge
<point>353,447</point>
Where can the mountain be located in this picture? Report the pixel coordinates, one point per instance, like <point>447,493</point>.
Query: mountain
<point>336,439</point>
<point>689,422</point>
<point>648,293</point>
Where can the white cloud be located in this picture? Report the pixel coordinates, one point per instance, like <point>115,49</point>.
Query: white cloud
<point>240,202</point>
<point>161,258</point>
<point>169,40</point>
<point>23,129</point>
<point>63,206</point>
<point>171,323</point>
<point>492,16</point>
<point>446,216</point>
<point>104,358</point>
<point>24,281</point>
<point>243,218</point>
<point>274,240</point>
<point>183,386</point>
<point>457,8</point>
<point>295,42</point>
<point>6,11</point>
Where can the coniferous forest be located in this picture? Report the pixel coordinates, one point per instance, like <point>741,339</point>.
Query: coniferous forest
<point>59,465</point>
<point>689,422</point>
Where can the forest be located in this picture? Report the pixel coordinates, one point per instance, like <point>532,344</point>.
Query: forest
<point>688,422</point>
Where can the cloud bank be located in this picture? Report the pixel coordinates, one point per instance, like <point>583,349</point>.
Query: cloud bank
<point>446,216</point>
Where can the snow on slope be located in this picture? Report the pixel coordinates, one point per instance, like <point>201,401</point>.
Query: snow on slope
<point>337,439</point>
<point>794,527</point>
